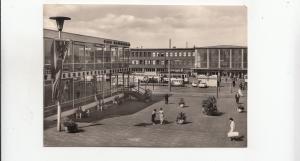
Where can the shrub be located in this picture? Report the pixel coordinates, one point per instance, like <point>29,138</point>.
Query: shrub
<point>70,126</point>
<point>209,106</point>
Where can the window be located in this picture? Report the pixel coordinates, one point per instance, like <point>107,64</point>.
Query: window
<point>154,62</point>
<point>184,54</point>
<point>179,53</point>
<point>89,55</point>
<point>171,54</point>
<point>167,54</point>
<point>175,54</point>
<point>78,54</point>
<point>153,54</point>
<point>189,53</point>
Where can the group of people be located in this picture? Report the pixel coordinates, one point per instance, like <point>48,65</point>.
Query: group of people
<point>160,114</point>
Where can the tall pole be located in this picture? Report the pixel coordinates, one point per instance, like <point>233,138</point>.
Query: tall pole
<point>60,23</point>
<point>169,69</point>
<point>217,86</point>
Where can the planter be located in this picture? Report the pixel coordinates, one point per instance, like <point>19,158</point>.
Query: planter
<point>181,105</point>
<point>70,127</point>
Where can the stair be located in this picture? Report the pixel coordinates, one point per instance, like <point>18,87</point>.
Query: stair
<point>140,94</point>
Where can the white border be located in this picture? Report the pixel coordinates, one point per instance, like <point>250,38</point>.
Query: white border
<point>272,116</point>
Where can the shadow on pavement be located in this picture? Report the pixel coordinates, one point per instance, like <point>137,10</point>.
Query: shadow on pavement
<point>127,108</point>
<point>143,124</point>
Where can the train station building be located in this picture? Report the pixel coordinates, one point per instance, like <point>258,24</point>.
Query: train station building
<point>91,67</point>
<point>210,60</point>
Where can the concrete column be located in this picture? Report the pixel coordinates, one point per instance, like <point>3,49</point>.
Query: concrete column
<point>207,52</point>
<point>219,64</point>
<point>242,58</point>
<point>230,59</point>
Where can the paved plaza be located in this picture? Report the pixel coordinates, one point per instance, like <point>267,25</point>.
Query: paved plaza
<point>130,125</point>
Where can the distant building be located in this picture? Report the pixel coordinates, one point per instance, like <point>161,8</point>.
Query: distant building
<point>157,60</point>
<point>223,59</point>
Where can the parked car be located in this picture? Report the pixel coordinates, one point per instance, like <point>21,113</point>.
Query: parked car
<point>202,85</point>
<point>194,84</point>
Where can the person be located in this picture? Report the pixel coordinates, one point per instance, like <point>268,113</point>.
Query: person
<point>232,133</point>
<point>161,116</point>
<point>166,99</point>
<point>153,116</point>
<point>233,83</point>
<point>240,92</point>
<point>237,97</point>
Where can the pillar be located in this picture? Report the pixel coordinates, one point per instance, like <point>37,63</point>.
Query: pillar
<point>219,58</point>
<point>242,58</point>
<point>230,59</point>
<point>207,52</point>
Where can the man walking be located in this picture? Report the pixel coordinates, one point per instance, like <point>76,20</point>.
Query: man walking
<point>166,99</point>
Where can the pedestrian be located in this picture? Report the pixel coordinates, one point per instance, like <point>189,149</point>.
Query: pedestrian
<point>233,83</point>
<point>240,92</point>
<point>153,116</point>
<point>232,134</point>
<point>166,99</point>
<point>161,116</point>
<point>237,97</point>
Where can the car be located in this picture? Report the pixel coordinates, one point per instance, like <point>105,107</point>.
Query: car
<point>202,85</point>
<point>194,84</point>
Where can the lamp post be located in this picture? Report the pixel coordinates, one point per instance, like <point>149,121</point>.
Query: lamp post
<point>60,23</point>
<point>169,69</point>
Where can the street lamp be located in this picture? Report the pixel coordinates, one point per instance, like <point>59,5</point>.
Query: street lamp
<point>58,68</point>
<point>60,23</point>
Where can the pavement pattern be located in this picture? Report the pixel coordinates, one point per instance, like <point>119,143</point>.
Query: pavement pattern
<point>129,124</point>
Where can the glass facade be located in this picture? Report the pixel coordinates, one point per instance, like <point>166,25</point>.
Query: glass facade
<point>236,58</point>
<point>225,58</point>
<point>230,58</point>
<point>213,58</point>
<point>86,73</point>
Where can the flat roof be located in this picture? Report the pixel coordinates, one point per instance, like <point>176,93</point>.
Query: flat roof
<point>202,47</point>
<point>53,34</point>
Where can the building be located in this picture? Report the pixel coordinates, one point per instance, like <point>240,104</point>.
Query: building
<point>90,70</point>
<point>223,59</point>
<point>157,60</point>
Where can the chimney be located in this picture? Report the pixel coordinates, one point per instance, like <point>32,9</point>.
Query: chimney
<point>170,43</point>
<point>186,44</point>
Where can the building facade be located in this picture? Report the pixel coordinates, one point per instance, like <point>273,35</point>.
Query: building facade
<point>157,60</point>
<point>90,70</point>
<point>226,60</point>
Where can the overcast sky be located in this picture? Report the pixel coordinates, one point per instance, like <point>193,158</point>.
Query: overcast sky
<point>152,26</point>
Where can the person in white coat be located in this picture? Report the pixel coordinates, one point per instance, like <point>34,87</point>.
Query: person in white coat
<point>232,134</point>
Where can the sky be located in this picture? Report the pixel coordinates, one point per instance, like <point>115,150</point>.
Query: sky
<point>151,26</point>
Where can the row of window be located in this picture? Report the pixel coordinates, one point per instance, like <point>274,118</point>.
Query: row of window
<point>161,62</point>
<point>162,54</point>
<point>86,53</point>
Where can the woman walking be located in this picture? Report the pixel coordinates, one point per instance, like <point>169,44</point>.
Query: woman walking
<point>161,116</point>
<point>232,134</point>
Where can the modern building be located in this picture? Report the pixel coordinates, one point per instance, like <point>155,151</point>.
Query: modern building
<point>90,70</point>
<point>223,59</point>
<point>157,60</point>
